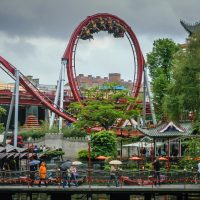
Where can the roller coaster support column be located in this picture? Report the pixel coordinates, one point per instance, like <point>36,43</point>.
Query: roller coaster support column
<point>9,116</point>
<point>58,93</point>
<point>144,98</point>
<point>16,107</point>
<point>149,95</point>
<point>62,82</point>
<point>55,101</point>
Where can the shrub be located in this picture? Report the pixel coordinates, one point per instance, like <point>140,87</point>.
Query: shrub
<point>83,154</point>
<point>54,153</point>
<point>31,133</point>
<point>73,132</point>
<point>1,128</point>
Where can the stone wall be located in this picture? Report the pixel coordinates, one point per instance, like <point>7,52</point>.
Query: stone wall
<point>71,146</point>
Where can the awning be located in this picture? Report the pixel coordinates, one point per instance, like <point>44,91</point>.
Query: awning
<point>10,155</point>
<point>2,149</point>
<point>10,148</point>
<point>3,155</point>
<point>143,144</point>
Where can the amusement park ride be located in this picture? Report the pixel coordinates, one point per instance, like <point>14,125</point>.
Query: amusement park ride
<point>85,30</point>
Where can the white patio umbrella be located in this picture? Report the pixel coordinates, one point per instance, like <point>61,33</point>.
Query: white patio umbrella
<point>115,162</point>
<point>77,163</point>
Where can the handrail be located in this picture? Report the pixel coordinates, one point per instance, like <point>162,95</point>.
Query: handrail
<point>102,177</point>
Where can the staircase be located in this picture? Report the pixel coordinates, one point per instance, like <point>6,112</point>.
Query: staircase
<point>31,122</point>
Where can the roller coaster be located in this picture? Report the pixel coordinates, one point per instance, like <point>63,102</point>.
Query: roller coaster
<point>85,31</point>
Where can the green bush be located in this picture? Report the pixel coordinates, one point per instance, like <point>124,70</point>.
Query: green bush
<point>104,143</point>
<point>149,166</point>
<point>83,154</point>
<point>54,153</point>
<point>44,127</point>
<point>107,167</point>
<point>73,132</point>
<point>174,167</point>
<point>1,128</point>
<point>31,133</point>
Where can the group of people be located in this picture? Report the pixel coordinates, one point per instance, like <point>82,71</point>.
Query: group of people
<point>69,176</point>
<point>105,24</point>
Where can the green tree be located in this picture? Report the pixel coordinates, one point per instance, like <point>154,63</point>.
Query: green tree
<point>2,112</point>
<point>160,63</point>
<point>184,90</point>
<point>192,151</point>
<point>96,112</point>
<point>104,143</point>
<point>103,112</point>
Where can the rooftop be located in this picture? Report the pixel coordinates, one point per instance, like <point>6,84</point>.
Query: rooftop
<point>168,130</point>
<point>190,28</point>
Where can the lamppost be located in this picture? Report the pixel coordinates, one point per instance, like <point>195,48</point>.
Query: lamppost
<point>89,160</point>
<point>121,134</point>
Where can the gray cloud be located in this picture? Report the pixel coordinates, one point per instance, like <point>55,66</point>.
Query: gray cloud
<point>59,18</point>
<point>34,34</point>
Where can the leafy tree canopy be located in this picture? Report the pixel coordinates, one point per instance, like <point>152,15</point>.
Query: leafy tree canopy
<point>104,143</point>
<point>103,112</point>
<point>191,153</point>
<point>2,112</point>
<point>183,94</point>
<point>160,63</point>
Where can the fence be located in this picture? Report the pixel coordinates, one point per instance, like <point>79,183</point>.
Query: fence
<point>102,177</point>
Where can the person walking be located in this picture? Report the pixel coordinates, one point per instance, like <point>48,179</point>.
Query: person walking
<point>43,174</point>
<point>156,165</point>
<point>73,175</point>
<point>113,176</point>
<point>33,169</point>
<point>66,177</point>
<point>198,173</point>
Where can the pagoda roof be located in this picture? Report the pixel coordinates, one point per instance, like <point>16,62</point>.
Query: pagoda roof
<point>190,28</point>
<point>168,130</point>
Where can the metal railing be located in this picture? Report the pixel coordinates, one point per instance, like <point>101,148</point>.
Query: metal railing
<point>102,178</point>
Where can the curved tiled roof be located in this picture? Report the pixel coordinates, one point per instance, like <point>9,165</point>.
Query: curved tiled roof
<point>186,128</point>
<point>190,28</point>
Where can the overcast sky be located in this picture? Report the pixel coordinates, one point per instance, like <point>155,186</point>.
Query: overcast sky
<point>35,33</point>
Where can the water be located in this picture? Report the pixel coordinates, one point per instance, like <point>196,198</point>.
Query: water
<point>43,196</point>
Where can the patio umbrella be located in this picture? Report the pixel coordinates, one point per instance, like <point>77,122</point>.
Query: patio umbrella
<point>115,162</point>
<point>135,158</point>
<point>101,157</point>
<point>66,165</point>
<point>77,163</point>
<point>163,159</point>
<point>34,162</point>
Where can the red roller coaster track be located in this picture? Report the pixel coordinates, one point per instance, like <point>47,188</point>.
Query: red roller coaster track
<point>68,56</point>
<point>36,93</point>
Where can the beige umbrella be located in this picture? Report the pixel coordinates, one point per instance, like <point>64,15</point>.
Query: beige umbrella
<point>115,162</point>
<point>77,163</point>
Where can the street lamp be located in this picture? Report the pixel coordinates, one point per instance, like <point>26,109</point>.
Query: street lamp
<point>121,134</point>
<point>89,160</point>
